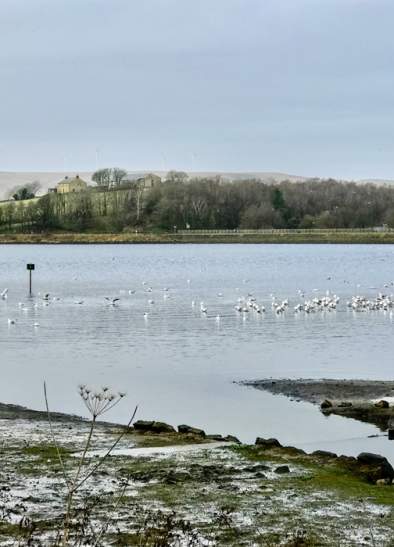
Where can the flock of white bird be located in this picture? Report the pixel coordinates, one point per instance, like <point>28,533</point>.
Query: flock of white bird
<point>244,304</point>
<point>381,302</point>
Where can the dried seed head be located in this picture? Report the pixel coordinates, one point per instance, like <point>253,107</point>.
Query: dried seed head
<point>99,402</point>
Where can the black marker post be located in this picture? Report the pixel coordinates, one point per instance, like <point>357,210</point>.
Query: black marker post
<point>30,268</point>
<point>391,429</point>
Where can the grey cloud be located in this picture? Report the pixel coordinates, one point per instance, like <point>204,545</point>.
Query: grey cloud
<point>302,86</point>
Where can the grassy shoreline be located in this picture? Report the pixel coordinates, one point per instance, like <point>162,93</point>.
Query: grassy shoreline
<point>58,238</point>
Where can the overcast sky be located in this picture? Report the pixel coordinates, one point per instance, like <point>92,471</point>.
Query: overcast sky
<point>301,86</point>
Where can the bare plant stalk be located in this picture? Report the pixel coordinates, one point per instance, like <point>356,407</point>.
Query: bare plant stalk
<point>82,459</point>
<point>108,453</point>
<point>54,440</point>
<point>73,486</point>
<point>97,404</point>
<point>116,505</point>
<point>369,525</point>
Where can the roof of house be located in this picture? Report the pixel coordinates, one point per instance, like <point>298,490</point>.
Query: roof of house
<point>131,177</point>
<point>68,180</point>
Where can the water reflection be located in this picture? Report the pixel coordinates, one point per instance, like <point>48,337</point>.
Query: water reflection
<point>179,363</point>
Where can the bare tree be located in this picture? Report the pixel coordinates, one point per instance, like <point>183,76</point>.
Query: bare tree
<point>109,176</point>
<point>24,191</point>
<point>102,177</point>
<point>177,176</point>
<point>118,175</point>
<point>139,187</point>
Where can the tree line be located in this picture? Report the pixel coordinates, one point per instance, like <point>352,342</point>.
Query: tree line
<point>209,203</point>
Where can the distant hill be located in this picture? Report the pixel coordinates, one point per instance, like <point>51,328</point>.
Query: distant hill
<point>48,179</point>
<point>265,176</point>
<point>9,180</point>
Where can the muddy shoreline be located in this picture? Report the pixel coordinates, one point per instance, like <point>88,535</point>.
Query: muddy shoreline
<point>357,399</point>
<point>18,412</point>
<point>221,493</point>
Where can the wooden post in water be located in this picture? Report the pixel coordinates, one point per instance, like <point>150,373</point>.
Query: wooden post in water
<point>30,268</point>
<point>391,429</point>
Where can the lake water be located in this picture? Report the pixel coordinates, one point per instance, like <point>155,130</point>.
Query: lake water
<point>180,365</point>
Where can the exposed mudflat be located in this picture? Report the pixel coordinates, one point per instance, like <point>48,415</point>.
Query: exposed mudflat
<point>315,391</point>
<point>14,412</point>
<point>200,492</point>
<point>350,398</point>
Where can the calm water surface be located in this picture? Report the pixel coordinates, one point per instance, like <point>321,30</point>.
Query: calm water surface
<point>180,365</point>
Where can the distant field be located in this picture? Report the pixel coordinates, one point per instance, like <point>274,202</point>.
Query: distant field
<point>23,202</point>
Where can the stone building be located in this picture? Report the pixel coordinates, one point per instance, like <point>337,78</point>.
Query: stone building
<point>73,184</point>
<point>149,181</point>
<point>146,181</point>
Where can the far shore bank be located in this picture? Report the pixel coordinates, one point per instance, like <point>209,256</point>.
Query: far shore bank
<point>346,237</point>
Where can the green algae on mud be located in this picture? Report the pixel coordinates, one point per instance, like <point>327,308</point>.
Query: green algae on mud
<point>223,496</point>
<point>230,496</point>
<point>263,506</point>
<point>333,475</point>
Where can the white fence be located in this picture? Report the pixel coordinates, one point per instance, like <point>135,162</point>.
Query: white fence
<point>269,231</point>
